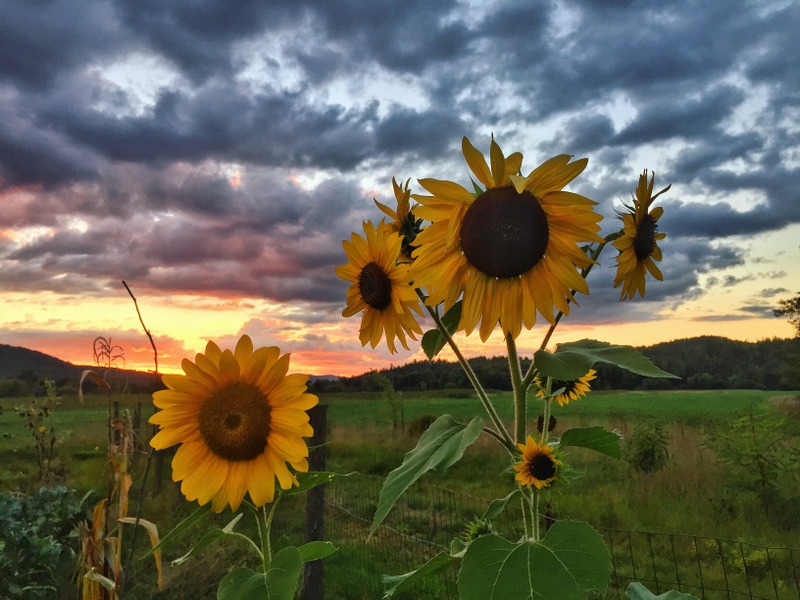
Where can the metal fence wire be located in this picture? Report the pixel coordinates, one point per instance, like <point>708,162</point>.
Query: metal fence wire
<point>427,517</point>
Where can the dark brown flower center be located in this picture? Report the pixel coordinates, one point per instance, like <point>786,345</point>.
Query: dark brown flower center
<point>375,286</point>
<point>645,239</point>
<point>504,233</point>
<point>543,467</point>
<point>234,422</point>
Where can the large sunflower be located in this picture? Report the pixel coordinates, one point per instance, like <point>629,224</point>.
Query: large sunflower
<point>239,420</point>
<point>538,466</point>
<point>511,250</point>
<point>638,244</point>
<point>380,287</point>
<point>573,389</point>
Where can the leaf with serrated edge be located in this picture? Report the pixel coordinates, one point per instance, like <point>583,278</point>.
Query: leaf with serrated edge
<point>442,444</point>
<point>393,584</point>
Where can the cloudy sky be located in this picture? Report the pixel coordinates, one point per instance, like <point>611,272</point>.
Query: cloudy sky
<point>214,154</point>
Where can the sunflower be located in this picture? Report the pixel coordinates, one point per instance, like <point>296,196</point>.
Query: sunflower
<point>380,287</point>
<point>538,465</point>
<point>573,389</point>
<point>239,420</point>
<point>638,244</point>
<point>403,220</point>
<point>511,250</point>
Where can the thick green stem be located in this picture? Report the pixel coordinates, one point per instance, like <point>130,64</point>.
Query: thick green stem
<point>534,508</point>
<point>525,511</point>
<point>520,390</point>
<point>473,378</point>
<point>264,527</point>
<point>546,410</point>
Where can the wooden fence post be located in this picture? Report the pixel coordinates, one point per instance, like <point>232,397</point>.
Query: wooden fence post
<point>312,586</point>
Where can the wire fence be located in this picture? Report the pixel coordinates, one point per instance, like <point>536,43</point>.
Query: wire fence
<point>428,517</point>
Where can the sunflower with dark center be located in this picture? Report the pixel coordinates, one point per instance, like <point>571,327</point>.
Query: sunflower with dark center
<point>380,287</point>
<point>573,389</point>
<point>240,421</point>
<point>538,466</point>
<point>638,243</point>
<point>512,250</point>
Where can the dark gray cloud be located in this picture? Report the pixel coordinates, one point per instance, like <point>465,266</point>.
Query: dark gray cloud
<point>316,103</point>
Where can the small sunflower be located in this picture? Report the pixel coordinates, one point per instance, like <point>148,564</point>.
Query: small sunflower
<point>638,244</point>
<point>239,420</point>
<point>572,389</point>
<point>380,287</point>
<point>538,466</point>
<point>511,250</point>
<point>403,220</point>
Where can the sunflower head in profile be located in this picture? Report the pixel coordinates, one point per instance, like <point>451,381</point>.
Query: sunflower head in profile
<point>538,465</point>
<point>573,389</point>
<point>240,421</point>
<point>403,220</point>
<point>638,242</point>
<point>512,249</point>
<point>380,287</point>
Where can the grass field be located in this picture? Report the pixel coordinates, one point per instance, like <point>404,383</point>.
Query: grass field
<point>694,493</point>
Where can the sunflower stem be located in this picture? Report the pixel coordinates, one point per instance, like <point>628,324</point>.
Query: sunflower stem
<point>534,508</point>
<point>503,434</point>
<point>265,525</point>
<point>525,510</point>
<point>546,410</point>
<point>531,373</point>
<point>520,390</point>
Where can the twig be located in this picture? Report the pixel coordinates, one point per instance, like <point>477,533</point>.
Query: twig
<point>146,330</point>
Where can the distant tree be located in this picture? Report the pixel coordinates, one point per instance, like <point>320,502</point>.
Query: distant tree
<point>790,308</point>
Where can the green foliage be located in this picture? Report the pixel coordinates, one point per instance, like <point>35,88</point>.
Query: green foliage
<point>647,449</point>
<point>573,360</point>
<point>594,438</point>
<point>442,445</point>
<point>37,417</point>
<point>278,583</point>
<point>636,591</point>
<point>790,307</point>
<point>433,341</point>
<point>758,449</point>
<point>568,561</point>
<point>37,545</point>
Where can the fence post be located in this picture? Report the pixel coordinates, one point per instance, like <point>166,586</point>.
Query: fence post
<point>312,586</point>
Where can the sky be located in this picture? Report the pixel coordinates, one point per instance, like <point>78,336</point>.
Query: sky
<point>214,154</point>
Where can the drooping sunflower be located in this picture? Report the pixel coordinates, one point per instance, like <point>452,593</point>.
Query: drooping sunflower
<point>511,250</point>
<point>240,421</point>
<point>538,466</point>
<point>638,244</point>
<point>380,287</point>
<point>573,389</point>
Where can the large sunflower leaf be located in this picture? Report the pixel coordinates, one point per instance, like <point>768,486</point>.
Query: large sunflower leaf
<point>594,438</point>
<point>570,560</point>
<point>573,360</point>
<point>636,591</point>
<point>442,445</point>
<point>496,507</point>
<point>393,584</point>
<point>433,340</point>
<point>311,480</point>
<point>278,583</point>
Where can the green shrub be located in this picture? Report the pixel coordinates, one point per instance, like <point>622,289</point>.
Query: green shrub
<point>646,450</point>
<point>38,542</point>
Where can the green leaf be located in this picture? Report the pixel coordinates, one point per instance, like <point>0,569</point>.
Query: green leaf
<point>496,507</point>
<point>209,538</point>
<point>283,575</point>
<point>311,480</point>
<point>636,591</point>
<point>573,360</point>
<point>180,528</point>
<point>393,584</point>
<point>279,583</point>
<point>594,438</point>
<point>316,550</point>
<point>243,584</point>
<point>570,560</point>
<point>433,341</point>
<point>442,445</point>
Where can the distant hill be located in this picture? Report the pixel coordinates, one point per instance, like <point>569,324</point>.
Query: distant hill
<point>17,362</point>
<point>707,362</point>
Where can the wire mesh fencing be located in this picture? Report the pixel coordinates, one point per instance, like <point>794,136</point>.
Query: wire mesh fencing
<point>427,517</point>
